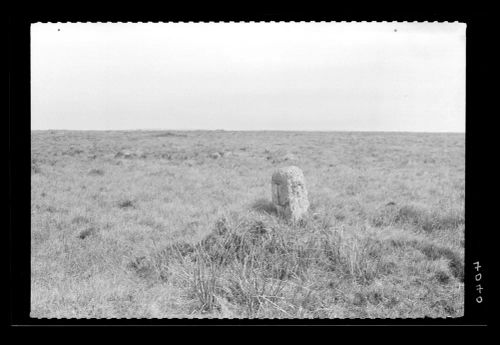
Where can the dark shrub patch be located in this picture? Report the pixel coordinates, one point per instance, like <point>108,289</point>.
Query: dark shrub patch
<point>445,305</point>
<point>51,209</point>
<point>375,297</point>
<point>340,217</point>
<point>142,267</point>
<point>411,215</point>
<point>126,204</point>
<point>359,299</point>
<point>457,267</point>
<point>86,233</point>
<point>96,172</point>
<point>73,151</point>
<point>442,277</point>
<point>35,168</point>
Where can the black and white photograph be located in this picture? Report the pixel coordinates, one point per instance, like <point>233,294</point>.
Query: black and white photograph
<point>247,170</point>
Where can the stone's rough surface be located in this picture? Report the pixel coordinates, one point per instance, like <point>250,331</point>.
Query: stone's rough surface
<point>289,193</point>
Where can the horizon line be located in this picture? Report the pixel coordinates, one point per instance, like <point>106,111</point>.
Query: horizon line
<point>242,130</point>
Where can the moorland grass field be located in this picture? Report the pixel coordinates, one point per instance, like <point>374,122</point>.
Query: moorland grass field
<point>180,224</point>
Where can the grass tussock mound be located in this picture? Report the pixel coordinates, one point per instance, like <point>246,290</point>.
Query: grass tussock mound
<point>257,266</point>
<point>435,252</point>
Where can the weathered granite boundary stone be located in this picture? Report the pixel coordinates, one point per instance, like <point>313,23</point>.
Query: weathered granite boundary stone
<point>289,193</point>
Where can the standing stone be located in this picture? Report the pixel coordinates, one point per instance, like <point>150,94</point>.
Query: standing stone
<point>289,193</point>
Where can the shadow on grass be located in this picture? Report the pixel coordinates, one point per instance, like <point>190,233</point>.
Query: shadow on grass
<point>264,206</point>
<point>456,262</point>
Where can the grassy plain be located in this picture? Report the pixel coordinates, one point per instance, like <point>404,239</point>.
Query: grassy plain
<point>155,224</point>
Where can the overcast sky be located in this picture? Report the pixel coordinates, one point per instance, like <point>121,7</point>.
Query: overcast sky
<point>249,76</point>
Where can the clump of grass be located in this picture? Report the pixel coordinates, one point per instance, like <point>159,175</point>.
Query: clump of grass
<point>143,267</point>
<point>51,209</point>
<point>35,167</point>
<point>80,220</point>
<point>205,287</point>
<point>262,266</point>
<point>359,299</point>
<point>432,251</point>
<point>435,252</point>
<point>445,305</point>
<point>442,277</point>
<point>259,263</point>
<point>86,233</point>
<point>409,214</point>
<point>73,151</point>
<point>96,172</point>
<point>126,203</point>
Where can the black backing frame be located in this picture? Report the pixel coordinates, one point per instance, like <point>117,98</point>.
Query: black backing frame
<point>479,50</point>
